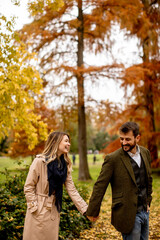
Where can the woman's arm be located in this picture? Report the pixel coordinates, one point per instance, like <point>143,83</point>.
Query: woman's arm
<point>74,195</point>
<point>30,185</point>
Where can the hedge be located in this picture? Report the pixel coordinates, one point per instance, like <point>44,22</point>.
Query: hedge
<point>13,209</point>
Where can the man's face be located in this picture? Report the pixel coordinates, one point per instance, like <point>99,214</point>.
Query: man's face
<point>128,141</point>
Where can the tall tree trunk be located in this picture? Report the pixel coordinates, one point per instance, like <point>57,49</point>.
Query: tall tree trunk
<point>83,164</point>
<point>150,107</point>
<point>149,94</point>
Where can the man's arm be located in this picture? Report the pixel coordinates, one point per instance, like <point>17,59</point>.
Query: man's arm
<point>100,188</point>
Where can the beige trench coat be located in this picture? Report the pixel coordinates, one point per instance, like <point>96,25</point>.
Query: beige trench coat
<point>42,218</point>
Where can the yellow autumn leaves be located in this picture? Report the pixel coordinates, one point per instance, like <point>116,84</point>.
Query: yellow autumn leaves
<point>39,6</point>
<point>20,86</point>
<point>102,228</point>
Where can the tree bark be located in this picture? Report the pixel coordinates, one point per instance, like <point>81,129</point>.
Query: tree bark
<point>149,102</point>
<point>152,146</point>
<point>82,143</point>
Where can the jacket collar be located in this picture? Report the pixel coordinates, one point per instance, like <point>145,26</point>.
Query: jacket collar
<point>42,157</point>
<point>126,160</point>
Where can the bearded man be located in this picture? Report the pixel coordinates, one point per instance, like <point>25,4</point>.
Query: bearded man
<point>129,173</point>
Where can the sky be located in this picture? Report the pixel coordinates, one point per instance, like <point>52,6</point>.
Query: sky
<point>8,9</point>
<point>124,50</point>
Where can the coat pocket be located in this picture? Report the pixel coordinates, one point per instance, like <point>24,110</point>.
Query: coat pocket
<point>40,203</point>
<point>117,200</point>
<point>116,204</point>
<point>36,215</point>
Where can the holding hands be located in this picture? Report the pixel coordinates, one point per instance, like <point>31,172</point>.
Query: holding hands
<point>92,219</point>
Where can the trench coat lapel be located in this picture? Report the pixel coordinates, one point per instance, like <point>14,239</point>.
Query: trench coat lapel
<point>45,175</point>
<point>126,160</point>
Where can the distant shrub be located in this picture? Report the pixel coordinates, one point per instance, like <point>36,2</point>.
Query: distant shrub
<point>13,209</point>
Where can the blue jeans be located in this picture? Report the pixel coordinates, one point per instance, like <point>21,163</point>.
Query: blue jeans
<point>140,230</point>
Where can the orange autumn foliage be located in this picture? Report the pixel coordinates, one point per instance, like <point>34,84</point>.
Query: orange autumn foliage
<point>63,38</point>
<point>19,147</point>
<point>143,102</point>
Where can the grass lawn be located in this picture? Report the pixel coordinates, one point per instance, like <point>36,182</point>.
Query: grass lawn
<point>12,165</point>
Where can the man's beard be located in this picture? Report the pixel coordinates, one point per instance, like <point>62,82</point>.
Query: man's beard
<point>128,145</point>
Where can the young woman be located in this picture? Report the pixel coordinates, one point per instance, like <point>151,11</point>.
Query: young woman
<point>44,186</point>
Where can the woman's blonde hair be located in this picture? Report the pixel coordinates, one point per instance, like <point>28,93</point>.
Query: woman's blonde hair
<point>51,147</point>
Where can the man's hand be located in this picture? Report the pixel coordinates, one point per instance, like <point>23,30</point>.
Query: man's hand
<point>148,208</point>
<point>92,219</point>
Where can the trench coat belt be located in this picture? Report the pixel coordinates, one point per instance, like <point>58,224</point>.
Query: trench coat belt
<point>42,195</point>
<point>48,201</point>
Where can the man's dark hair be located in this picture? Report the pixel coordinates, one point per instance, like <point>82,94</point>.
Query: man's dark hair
<point>130,126</point>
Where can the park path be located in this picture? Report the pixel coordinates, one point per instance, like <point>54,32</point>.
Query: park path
<point>103,229</point>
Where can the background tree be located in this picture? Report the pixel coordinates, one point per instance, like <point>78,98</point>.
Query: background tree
<point>102,139</point>
<point>86,24</point>
<point>19,145</point>
<point>63,40</point>
<point>62,118</point>
<point>144,77</point>
<point>151,69</point>
<point>67,121</point>
<point>4,144</point>
<point>141,19</point>
<point>20,84</point>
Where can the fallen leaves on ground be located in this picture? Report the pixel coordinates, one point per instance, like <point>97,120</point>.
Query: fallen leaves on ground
<point>102,228</point>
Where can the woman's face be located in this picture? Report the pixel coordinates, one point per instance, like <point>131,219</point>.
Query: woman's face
<point>64,145</point>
